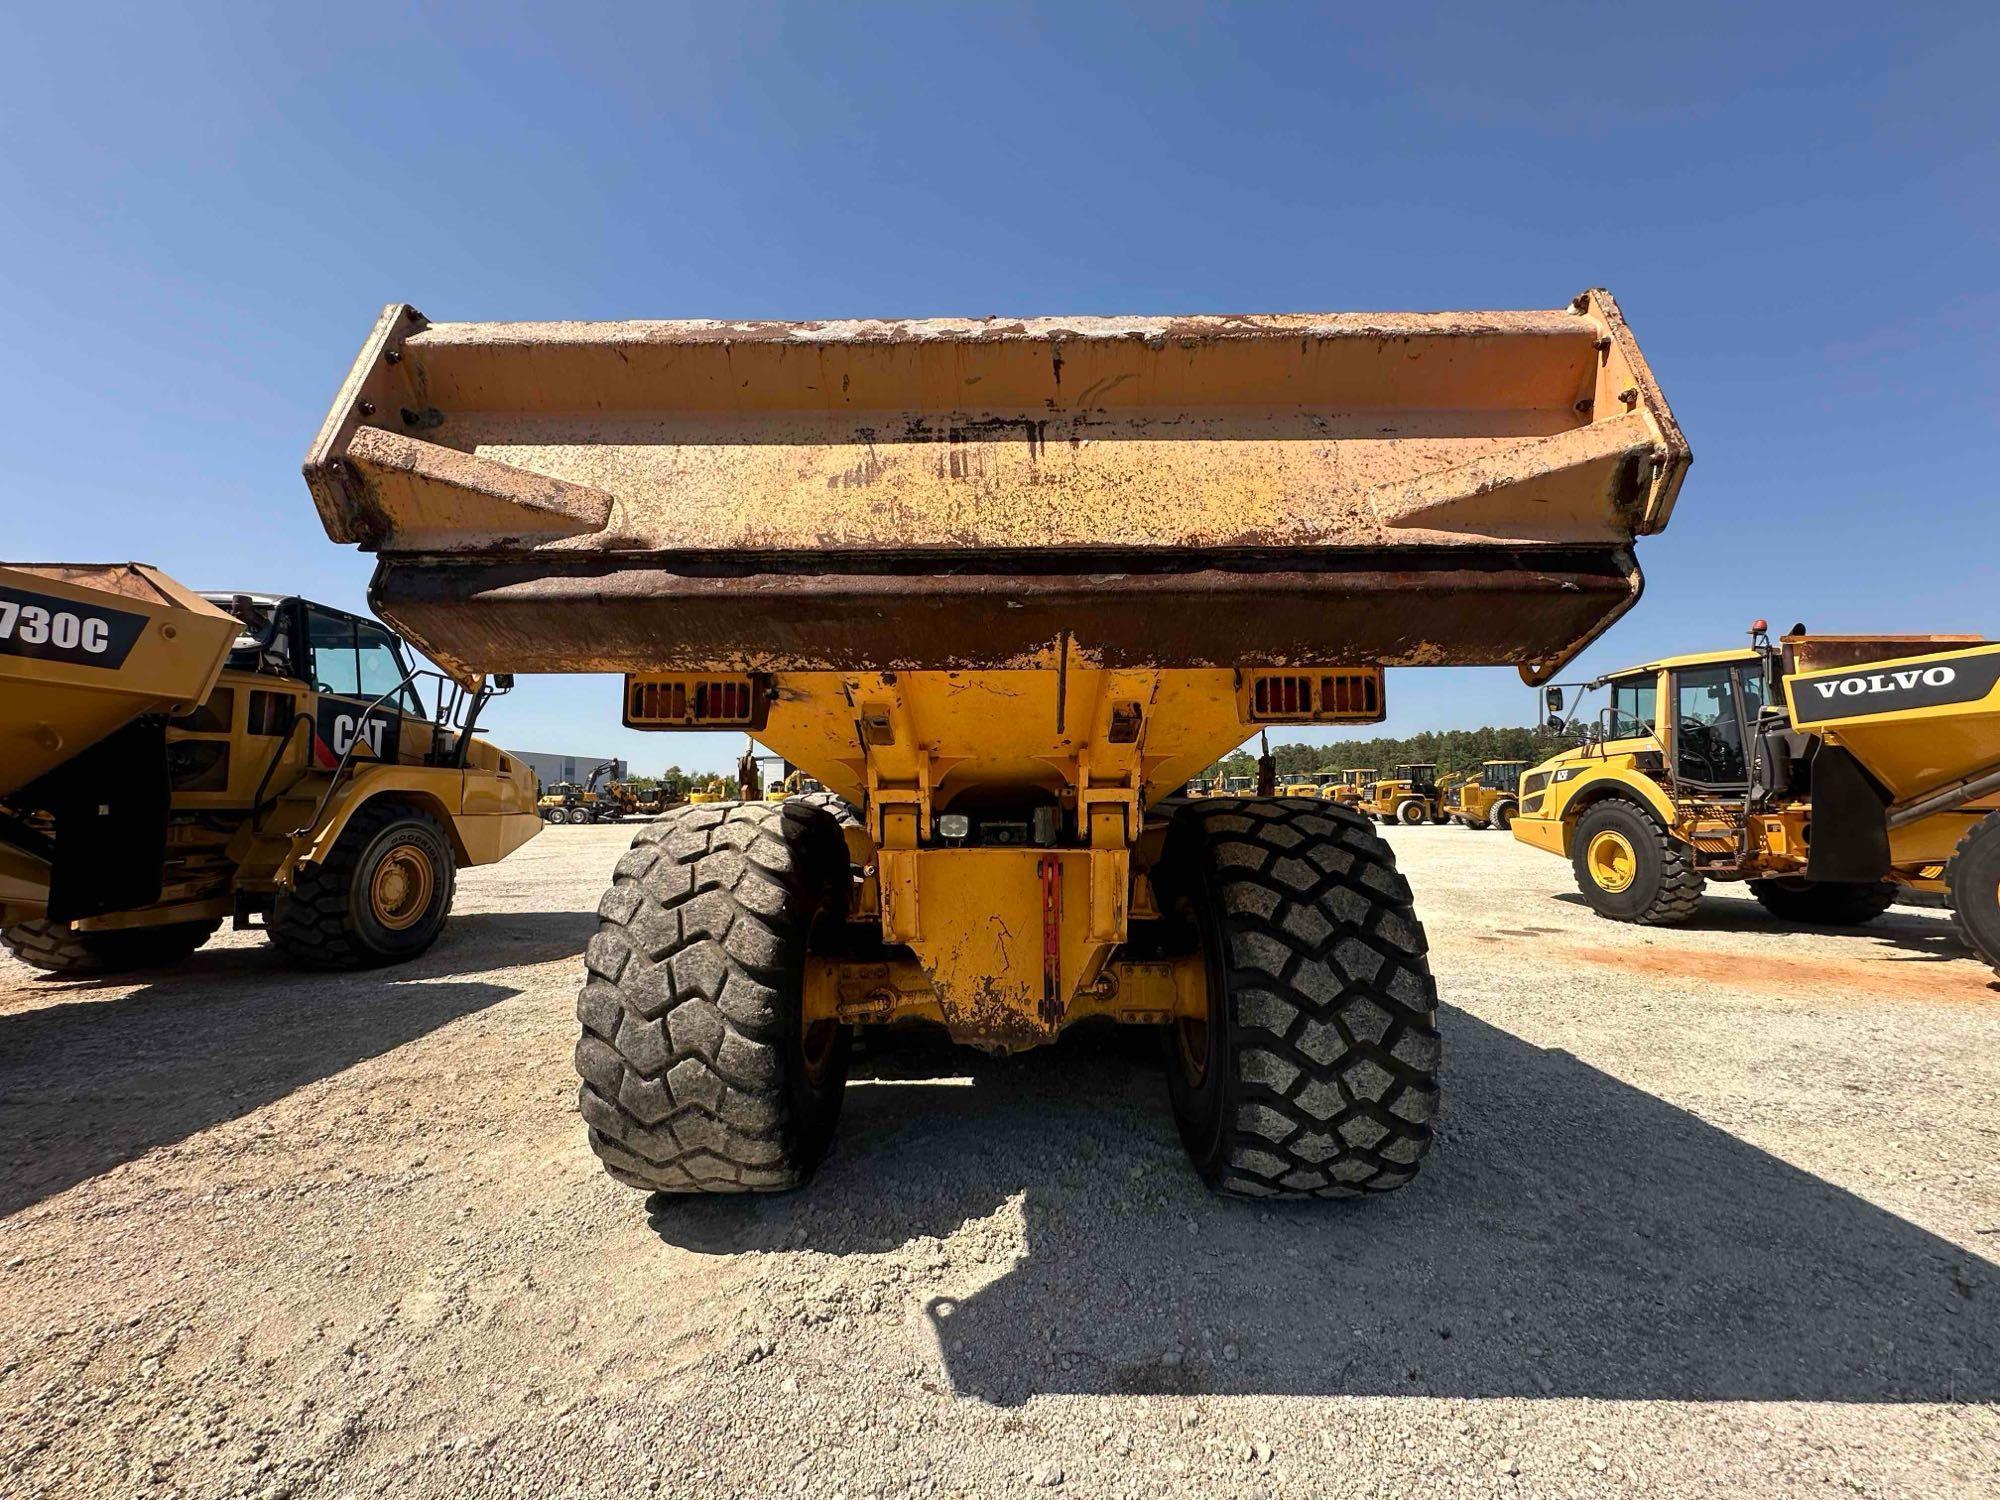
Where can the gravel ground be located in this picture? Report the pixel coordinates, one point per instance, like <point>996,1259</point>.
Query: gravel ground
<point>1712,1211</point>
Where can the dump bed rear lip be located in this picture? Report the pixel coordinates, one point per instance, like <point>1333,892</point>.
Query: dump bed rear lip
<point>579,612</point>
<point>1559,323</point>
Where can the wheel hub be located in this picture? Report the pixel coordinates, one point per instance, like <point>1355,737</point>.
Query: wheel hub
<point>1612,861</point>
<point>400,892</point>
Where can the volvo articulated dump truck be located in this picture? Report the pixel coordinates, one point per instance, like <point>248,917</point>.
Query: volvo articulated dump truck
<point>1002,586</point>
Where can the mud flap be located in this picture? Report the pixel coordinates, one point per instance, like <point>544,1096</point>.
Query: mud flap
<point>1849,840</point>
<point>110,807</point>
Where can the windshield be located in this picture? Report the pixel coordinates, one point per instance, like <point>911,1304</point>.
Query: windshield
<point>1634,706</point>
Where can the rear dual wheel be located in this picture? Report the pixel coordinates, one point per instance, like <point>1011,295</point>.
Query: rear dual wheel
<point>699,1072</point>
<point>1973,881</point>
<point>1315,1071</point>
<point>1823,902</point>
<point>61,949</point>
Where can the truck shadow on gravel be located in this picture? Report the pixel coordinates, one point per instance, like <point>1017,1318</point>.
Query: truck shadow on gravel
<point>1929,936</point>
<point>88,1082</point>
<point>1571,1236</point>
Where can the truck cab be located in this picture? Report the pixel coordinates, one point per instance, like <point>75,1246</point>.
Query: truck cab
<point>1713,702</point>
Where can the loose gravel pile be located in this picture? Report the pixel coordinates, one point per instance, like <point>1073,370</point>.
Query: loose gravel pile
<point>1712,1211</point>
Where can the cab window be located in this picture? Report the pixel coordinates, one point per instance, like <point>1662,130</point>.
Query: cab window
<point>356,659</point>
<point>335,666</point>
<point>1634,706</point>
<point>1708,727</point>
<point>381,667</point>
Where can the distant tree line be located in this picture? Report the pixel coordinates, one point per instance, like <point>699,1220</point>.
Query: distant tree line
<point>1451,750</point>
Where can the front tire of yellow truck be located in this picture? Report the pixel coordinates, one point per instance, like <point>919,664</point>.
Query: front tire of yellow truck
<point>380,897</point>
<point>699,1074</point>
<point>1630,869</point>
<point>1315,1073</point>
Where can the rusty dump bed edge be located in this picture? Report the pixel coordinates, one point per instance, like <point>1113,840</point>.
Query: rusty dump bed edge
<point>1420,488</point>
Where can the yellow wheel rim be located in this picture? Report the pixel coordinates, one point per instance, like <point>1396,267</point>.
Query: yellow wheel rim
<point>1611,860</point>
<point>401,890</point>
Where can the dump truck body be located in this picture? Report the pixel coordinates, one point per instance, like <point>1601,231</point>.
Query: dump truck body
<point>1485,797</point>
<point>211,758</point>
<point>1352,787</point>
<point>1001,587</point>
<point>1824,770</point>
<point>1407,795</point>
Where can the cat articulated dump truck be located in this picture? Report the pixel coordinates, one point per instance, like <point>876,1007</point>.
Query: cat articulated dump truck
<point>170,761</point>
<point>1003,586</point>
<point>1826,771</point>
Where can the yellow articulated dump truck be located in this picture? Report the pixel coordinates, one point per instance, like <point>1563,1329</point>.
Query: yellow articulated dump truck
<point>1486,798</point>
<point>170,761</point>
<point>1003,586</point>
<point>1313,784</point>
<point>1352,788</point>
<point>1825,770</point>
<point>1407,795</point>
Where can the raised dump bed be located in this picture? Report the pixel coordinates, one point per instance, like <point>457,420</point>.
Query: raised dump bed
<point>1408,489</point>
<point>1002,586</point>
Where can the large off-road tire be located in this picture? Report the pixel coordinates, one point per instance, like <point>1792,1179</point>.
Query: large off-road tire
<point>1630,869</point>
<point>555,815</point>
<point>381,897</point>
<point>1823,902</point>
<point>1502,816</point>
<point>843,812</point>
<point>1973,880</point>
<point>698,1074</point>
<point>1410,813</point>
<point>61,949</point>
<point>1315,1073</point>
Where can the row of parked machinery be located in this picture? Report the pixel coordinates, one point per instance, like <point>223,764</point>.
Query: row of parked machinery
<point>597,800</point>
<point>1411,794</point>
<point>1000,670</point>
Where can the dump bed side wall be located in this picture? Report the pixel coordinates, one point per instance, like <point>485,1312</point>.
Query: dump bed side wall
<point>1914,721</point>
<point>87,648</point>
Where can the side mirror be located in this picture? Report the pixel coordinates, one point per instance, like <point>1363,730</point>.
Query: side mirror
<point>1553,698</point>
<point>503,682</point>
<point>1556,721</point>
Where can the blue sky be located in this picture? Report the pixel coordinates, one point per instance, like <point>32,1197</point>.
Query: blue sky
<point>203,207</point>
